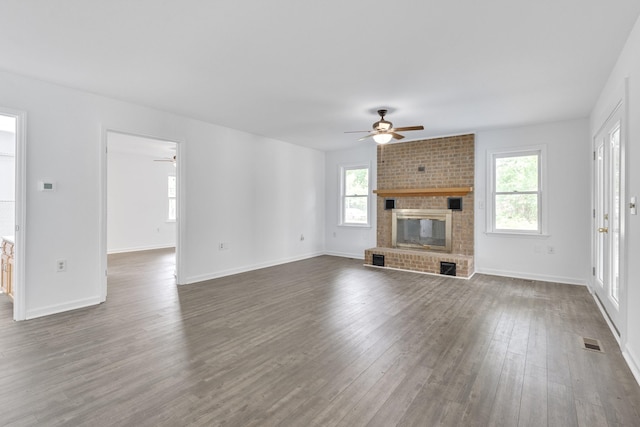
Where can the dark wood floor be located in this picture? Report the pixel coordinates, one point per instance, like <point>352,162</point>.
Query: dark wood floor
<point>322,342</point>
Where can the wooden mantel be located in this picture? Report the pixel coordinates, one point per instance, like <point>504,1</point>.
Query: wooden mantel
<point>424,192</point>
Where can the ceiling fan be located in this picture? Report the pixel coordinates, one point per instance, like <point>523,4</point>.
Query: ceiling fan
<point>383,130</point>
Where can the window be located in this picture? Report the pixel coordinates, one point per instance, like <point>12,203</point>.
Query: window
<point>516,191</point>
<point>171,193</point>
<point>355,195</point>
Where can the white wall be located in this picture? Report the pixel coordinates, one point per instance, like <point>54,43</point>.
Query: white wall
<point>343,240</point>
<point>628,66</point>
<point>137,203</point>
<point>255,193</point>
<point>568,198</point>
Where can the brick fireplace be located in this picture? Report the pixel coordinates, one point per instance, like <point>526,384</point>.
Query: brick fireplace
<point>434,174</point>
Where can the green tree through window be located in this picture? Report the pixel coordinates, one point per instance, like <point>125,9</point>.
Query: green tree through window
<point>517,192</point>
<point>355,195</point>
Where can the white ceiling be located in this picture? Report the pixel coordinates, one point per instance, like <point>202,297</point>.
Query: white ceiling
<point>305,72</point>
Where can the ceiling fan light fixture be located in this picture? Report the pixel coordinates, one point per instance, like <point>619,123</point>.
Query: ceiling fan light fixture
<point>383,131</point>
<point>382,138</point>
<point>382,125</point>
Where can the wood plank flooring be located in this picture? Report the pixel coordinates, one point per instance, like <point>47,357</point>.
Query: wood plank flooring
<point>320,342</point>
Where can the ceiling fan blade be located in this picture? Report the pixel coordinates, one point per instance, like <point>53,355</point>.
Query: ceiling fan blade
<point>166,159</point>
<point>356,131</point>
<point>406,128</point>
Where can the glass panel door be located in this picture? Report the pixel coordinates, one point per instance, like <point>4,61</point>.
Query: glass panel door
<point>614,143</point>
<point>607,217</point>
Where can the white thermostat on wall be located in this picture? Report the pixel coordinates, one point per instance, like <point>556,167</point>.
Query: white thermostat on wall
<point>46,185</point>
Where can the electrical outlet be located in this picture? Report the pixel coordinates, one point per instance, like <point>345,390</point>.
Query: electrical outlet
<point>301,237</point>
<point>551,250</point>
<point>223,246</point>
<point>61,265</point>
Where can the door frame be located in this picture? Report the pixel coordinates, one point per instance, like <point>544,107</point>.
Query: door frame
<point>180,204</point>
<point>19,264</point>
<point>619,108</point>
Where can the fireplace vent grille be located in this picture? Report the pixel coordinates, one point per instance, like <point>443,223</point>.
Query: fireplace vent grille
<point>448,268</point>
<point>378,260</point>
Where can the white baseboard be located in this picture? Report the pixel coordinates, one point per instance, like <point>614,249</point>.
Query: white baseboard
<point>139,248</point>
<point>530,276</point>
<point>629,356</point>
<point>244,269</point>
<point>59,308</point>
<point>359,255</point>
<point>633,362</point>
<point>605,316</point>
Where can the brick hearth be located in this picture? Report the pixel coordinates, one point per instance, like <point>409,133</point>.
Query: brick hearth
<point>421,261</point>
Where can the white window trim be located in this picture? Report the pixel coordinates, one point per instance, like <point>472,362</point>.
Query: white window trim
<point>542,178</point>
<point>341,170</point>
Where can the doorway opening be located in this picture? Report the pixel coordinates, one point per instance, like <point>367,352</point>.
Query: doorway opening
<point>141,202</point>
<point>12,213</point>
<point>7,208</point>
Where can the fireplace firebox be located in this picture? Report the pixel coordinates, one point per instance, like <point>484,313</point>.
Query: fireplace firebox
<point>426,229</point>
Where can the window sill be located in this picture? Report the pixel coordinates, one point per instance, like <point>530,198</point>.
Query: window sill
<point>355,225</point>
<point>170,221</point>
<point>517,235</point>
